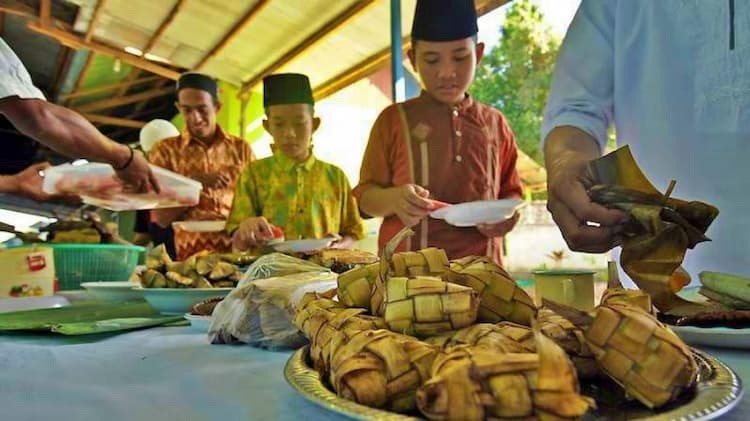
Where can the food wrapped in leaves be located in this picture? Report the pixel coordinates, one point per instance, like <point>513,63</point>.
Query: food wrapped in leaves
<point>500,297</point>
<point>481,334</point>
<point>477,383</point>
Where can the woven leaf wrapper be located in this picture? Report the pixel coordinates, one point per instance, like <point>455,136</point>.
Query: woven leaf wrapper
<point>659,232</point>
<point>641,354</point>
<point>500,297</point>
<point>615,292</point>
<point>571,339</point>
<point>481,334</point>
<point>321,318</point>
<point>355,286</point>
<point>380,368</point>
<point>422,305</point>
<point>477,383</point>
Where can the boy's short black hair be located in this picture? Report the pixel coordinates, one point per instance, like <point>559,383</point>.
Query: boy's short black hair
<point>310,107</point>
<point>474,38</point>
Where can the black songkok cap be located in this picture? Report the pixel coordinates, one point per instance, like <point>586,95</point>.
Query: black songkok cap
<point>287,88</point>
<point>444,20</point>
<point>198,81</point>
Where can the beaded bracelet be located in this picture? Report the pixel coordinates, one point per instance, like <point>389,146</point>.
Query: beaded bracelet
<point>128,162</point>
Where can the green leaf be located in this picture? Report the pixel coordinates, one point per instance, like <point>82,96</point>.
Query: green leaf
<point>45,319</point>
<point>114,325</point>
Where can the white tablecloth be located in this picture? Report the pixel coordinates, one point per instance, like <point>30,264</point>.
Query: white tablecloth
<point>169,373</point>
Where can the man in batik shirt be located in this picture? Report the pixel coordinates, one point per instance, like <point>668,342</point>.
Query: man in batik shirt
<point>304,196</point>
<point>203,152</point>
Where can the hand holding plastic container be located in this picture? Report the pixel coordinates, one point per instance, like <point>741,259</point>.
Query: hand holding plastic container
<point>97,185</point>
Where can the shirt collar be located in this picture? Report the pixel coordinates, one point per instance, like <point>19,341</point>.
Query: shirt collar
<point>219,136</point>
<point>288,163</point>
<point>465,103</point>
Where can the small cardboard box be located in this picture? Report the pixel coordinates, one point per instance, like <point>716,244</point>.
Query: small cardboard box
<point>27,271</point>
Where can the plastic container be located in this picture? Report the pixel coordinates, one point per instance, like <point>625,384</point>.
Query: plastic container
<point>77,263</point>
<point>97,185</point>
<point>190,237</point>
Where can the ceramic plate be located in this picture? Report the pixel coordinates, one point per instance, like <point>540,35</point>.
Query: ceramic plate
<point>199,323</point>
<point>113,291</point>
<point>300,246</point>
<point>470,214</point>
<point>179,300</point>
<point>717,392</point>
<point>723,337</point>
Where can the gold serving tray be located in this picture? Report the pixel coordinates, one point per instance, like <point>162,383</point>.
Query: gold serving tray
<point>718,390</point>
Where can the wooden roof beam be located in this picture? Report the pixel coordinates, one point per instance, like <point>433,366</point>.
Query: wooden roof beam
<point>110,87</point>
<point>94,20</point>
<point>74,41</point>
<point>163,26</point>
<point>380,59</point>
<point>229,36</point>
<point>82,74</point>
<point>45,12</point>
<point>328,29</point>
<point>116,102</point>
<point>114,121</point>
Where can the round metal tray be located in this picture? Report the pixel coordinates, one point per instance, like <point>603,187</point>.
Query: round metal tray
<point>718,390</point>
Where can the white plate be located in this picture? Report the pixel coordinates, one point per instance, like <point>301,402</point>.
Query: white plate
<point>300,246</point>
<point>113,291</point>
<point>8,305</point>
<point>179,300</point>
<point>470,214</point>
<point>722,337</point>
<point>199,323</point>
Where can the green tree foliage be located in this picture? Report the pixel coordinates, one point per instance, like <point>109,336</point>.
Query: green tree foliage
<point>515,75</point>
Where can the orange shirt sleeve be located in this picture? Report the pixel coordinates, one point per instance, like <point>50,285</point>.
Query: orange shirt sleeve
<point>510,181</point>
<point>376,163</point>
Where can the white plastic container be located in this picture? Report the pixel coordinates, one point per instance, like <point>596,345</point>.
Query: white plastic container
<point>97,185</point>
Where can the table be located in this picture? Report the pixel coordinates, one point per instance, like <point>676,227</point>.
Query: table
<point>169,373</point>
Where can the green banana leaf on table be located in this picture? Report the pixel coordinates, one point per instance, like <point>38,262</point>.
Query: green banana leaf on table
<point>660,231</point>
<point>86,319</point>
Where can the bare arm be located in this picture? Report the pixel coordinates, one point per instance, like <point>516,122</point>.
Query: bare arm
<point>68,133</point>
<point>567,151</point>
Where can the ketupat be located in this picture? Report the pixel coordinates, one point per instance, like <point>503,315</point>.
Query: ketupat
<point>477,383</point>
<point>500,297</point>
<point>426,262</point>
<point>320,318</point>
<point>616,292</point>
<point>355,286</point>
<point>380,368</point>
<point>426,306</point>
<point>641,354</point>
<point>571,339</point>
<point>482,334</point>
<point>422,305</point>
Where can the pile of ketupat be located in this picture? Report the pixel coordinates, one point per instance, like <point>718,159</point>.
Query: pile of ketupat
<point>461,341</point>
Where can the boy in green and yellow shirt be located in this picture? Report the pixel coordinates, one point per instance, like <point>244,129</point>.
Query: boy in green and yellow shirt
<point>292,190</point>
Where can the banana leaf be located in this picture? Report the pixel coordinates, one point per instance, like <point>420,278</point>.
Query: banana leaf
<point>85,318</point>
<point>660,229</point>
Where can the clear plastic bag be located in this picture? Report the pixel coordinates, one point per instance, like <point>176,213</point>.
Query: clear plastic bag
<point>278,264</point>
<point>259,312</point>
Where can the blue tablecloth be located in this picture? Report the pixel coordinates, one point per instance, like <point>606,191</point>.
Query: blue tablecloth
<point>169,373</point>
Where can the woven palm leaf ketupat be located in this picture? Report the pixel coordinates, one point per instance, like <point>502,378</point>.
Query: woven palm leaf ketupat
<point>500,297</point>
<point>481,334</point>
<point>571,339</point>
<point>423,305</point>
<point>519,333</point>
<point>427,306</point>
<point>641,354</point>
<point>380,368</point>
<point>477,383</point>
<point>355,286</point>
<point>320,319</point>
<point>616,292</point>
